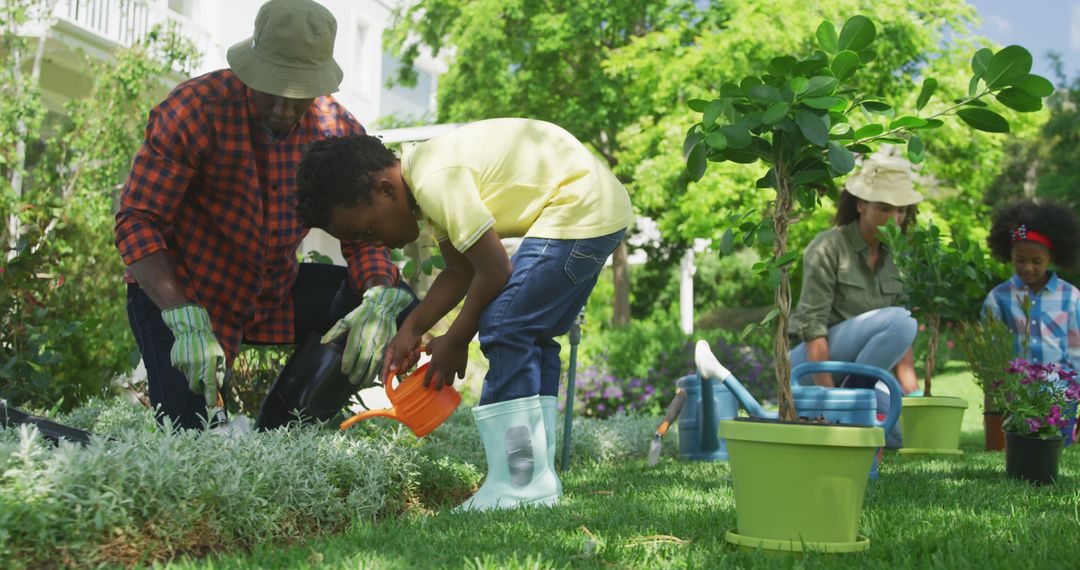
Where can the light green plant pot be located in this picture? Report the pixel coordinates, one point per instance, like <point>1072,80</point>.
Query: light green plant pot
<point>932,425</point>
<point>799,487</point>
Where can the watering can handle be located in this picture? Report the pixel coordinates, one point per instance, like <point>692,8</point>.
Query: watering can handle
<point>709,367</point>
<point>389,384</point>
<point>896,393</point>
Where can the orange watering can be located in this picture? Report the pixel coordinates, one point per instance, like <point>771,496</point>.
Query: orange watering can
<point>421,409</point>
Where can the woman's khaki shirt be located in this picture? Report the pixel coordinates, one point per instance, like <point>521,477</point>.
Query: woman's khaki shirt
<point>838,283</point>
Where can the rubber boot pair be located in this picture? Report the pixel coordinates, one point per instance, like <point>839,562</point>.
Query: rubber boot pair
<point>520,454</point>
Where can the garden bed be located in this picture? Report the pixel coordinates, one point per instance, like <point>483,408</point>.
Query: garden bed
<point>382,503</point>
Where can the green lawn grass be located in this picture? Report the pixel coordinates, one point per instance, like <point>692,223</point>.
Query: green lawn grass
<point>940,512</point>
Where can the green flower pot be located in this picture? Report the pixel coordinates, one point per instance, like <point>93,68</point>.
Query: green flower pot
<point>931,425</point>
<point>799,487</point>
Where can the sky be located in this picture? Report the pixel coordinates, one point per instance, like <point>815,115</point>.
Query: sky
<point>1038,25</point>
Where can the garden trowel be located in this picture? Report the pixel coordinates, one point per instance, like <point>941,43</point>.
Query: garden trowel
<point>672,412</point>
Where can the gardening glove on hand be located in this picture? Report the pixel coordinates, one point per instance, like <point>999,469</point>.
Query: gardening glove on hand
<point>196,351</point>
<point>370,326</point>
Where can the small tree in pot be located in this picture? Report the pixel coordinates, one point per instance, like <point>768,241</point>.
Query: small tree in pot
<point>940,281</point>
<point>801,120</point>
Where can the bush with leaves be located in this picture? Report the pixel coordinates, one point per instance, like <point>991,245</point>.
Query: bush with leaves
<point>988,348</point>
<point>942,282</point>
<point>65,176</point>
<point>802,119</point>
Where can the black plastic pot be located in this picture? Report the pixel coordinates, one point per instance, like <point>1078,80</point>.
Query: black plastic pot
<point>1032,459</point>
<point>311,386</point>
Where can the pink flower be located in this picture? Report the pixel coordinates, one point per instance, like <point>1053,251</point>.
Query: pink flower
<point>1073,392</point>
<point>949,344</point>
<point>1055,415</point>
<point>1033,424</point>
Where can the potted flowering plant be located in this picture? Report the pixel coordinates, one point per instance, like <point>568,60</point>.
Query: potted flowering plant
<point>1033,397</point>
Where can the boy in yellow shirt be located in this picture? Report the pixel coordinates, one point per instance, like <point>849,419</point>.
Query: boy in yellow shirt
<point>487,180</point>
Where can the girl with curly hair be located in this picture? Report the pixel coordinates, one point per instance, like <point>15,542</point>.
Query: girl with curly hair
<point>1032,235</point>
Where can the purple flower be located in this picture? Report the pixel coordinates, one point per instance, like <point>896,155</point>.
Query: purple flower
<point>1055,415</point>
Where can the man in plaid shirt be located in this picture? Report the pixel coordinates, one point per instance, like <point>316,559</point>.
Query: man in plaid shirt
<point>208,229</point>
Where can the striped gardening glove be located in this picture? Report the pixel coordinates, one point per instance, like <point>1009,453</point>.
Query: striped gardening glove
<point>369,326</point>
<point>196,351</point>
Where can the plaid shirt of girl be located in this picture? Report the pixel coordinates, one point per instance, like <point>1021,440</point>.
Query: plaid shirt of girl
<point>1055,318</point>
<point>209,187</point>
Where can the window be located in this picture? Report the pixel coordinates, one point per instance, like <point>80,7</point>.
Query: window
<point>183,7</point>
<point>360,64</point>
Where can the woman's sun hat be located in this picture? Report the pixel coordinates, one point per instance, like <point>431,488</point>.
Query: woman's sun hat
<point>885,179</point>
<point>291,53</point>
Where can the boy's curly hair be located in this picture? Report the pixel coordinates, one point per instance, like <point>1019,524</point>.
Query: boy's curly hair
<point>338,171</point>
<point>1052,219</point>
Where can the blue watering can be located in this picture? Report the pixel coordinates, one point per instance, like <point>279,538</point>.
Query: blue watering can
<point>707,403</point>
<point>850,406</point>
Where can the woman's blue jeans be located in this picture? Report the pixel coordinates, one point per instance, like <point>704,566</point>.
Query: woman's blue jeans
<point>551,280</point>
<point>879,338</point>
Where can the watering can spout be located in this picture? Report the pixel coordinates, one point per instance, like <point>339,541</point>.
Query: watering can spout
<point>387,413</point>
<point>709,367</point>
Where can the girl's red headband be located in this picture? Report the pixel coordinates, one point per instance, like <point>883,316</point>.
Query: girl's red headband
<point>1023,234</point>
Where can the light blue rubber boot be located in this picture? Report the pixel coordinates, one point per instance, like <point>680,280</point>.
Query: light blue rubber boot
<point>549,404</point>
<point>515,442</point>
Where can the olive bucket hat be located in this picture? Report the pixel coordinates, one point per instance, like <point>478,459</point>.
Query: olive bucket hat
<point>291,53</point>
<point>886,179</point>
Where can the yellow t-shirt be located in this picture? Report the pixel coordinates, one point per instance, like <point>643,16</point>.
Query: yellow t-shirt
<point>523,177</point>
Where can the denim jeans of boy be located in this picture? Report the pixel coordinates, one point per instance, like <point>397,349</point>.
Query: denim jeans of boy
<point>551,280</point>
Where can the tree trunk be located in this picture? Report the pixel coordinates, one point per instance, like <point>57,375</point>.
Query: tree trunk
<point>933,322</point>
<point>620,271</point>
<point>782,299</point>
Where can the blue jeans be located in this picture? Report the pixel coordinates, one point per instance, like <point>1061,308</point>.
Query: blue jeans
<point>879,338</point>
<point>551,281</point>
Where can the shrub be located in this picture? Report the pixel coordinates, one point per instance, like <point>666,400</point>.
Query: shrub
<point>153,496</point>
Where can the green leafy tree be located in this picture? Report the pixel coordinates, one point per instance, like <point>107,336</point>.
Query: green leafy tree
<point>668,70</point>
<point>806,119</point>
<point>545,60</point>
<point>1045,165</point>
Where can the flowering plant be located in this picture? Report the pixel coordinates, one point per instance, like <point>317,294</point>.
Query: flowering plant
<point>1034,396</point>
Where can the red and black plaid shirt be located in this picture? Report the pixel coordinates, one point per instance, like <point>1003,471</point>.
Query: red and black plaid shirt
<point>209,187</point>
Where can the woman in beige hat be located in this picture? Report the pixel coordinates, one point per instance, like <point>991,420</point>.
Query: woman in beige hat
<point>849,306</point>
